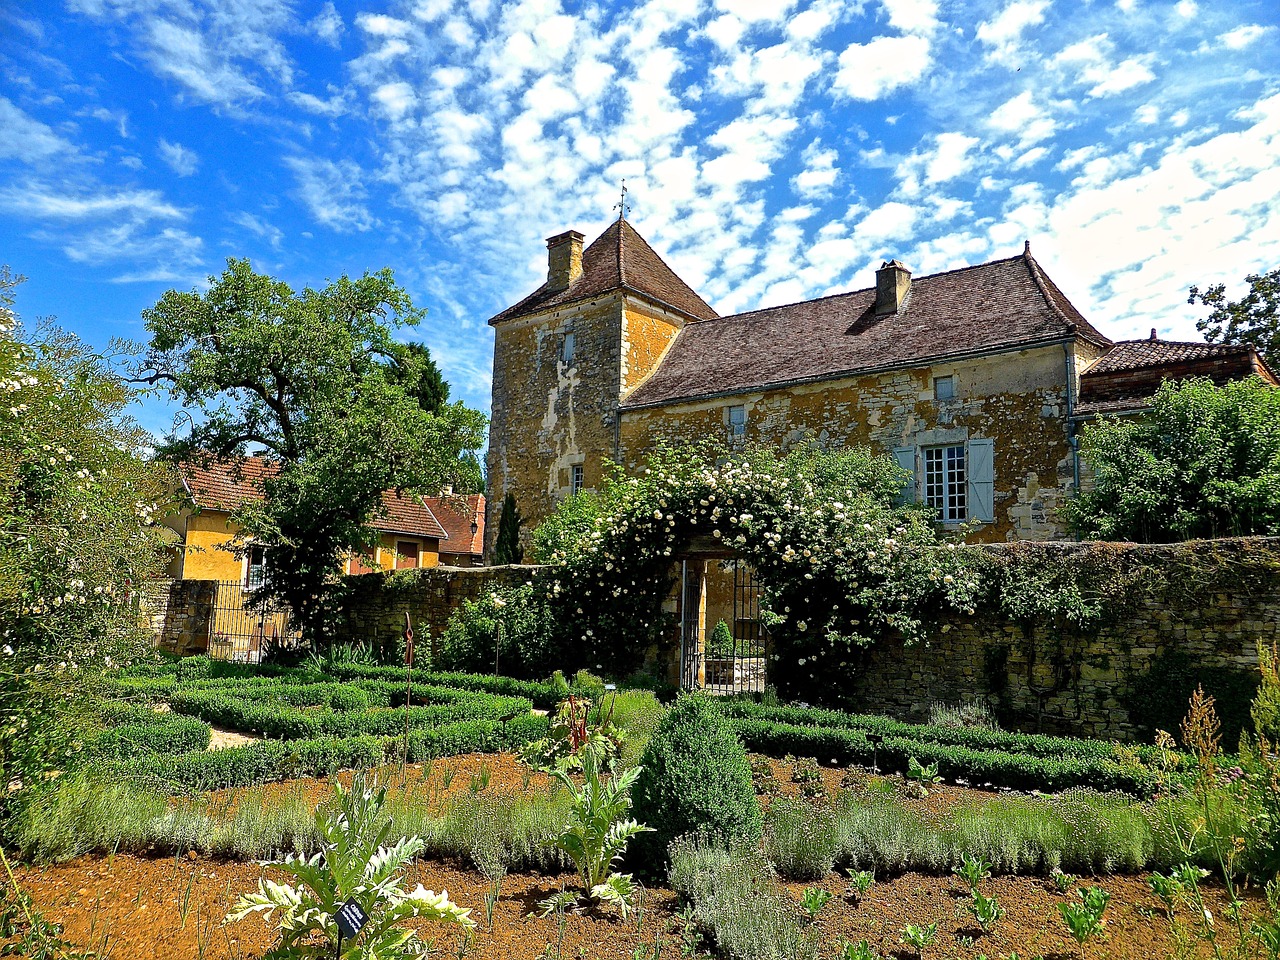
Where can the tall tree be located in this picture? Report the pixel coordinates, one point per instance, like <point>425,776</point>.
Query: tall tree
<point>506,548</point>
<point>314,382</point>
<point>413,368</point>
<point>1205,462</point>
<point>1254,318</point>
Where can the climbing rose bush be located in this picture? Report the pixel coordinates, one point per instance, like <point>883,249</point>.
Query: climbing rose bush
<point>836,553</point>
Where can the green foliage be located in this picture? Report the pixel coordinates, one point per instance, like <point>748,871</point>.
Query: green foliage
<point>986,910</point>
<point>316,383</point>
<point>721,642</point>
<point>560,534</point>
<point>814,900</point>
<point>1204,462</point>
<point>79,505</point>
<point>24,932</point>
<point>1084,919</point>
<point>1157,699</point>
<point>470,641</point>
<point>353,865</point>
<point>919,936</point>
<point>576,733</point>
<point>695,779</point>
<point>1255,318</point>
<point>506,548</point>
<point>973,870</point>
<point>735,900</point>
<point>1265,709</point>
<point>801,839</point>
<point>637,714</point>
<point>823,532</point>
<point>1026,761</point>
<point>597,833</point>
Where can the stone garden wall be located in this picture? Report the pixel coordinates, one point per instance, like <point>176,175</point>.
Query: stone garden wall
<point>1123,680</point>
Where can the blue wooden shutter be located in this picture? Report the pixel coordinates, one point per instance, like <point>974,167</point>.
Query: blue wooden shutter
<point>982,480</point>
<point>906,457</point>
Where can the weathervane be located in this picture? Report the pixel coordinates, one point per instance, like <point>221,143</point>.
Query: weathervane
<point>622,206</point>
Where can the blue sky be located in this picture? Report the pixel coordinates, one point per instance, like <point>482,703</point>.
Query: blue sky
<point>775,150</point>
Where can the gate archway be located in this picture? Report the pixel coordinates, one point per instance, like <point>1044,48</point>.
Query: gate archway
<point>713,585</point>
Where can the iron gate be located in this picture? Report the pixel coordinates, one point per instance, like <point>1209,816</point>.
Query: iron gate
<point>738,667</point>
<point>240,631</point>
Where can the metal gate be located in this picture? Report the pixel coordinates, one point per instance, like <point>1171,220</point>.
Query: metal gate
<point>739,667</point>
<point>239,631</point>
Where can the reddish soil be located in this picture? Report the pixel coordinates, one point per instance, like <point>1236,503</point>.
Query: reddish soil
<point>128,907</point>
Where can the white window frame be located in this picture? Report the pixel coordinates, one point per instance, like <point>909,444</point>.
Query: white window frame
<point>945,480</point>
<point>576,478</point>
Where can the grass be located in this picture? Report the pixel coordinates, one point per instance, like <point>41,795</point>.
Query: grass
<point>1079,831</point>
<point>637,713</point>
<point>84,814</point>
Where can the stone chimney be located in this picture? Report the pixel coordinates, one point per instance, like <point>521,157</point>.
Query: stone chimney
<point>564,259</point>
<point>893,280</point>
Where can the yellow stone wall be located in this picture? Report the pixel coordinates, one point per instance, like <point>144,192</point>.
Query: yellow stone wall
<point>1017,399</point>
<point>548,415</point>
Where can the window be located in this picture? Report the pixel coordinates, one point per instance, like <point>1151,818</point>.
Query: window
<point>566,349</point>
<point>575,478</point>
<point>406,554</point>
<point>255,568</point>
<point>737,424</point>
<point>944,388</point>
<point>946,482</point>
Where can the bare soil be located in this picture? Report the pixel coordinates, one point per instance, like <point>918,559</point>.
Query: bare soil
<point>127,907</point>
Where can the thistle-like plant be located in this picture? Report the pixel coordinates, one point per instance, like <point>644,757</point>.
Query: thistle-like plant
<point>597,834</point>
<point>973,870</point>
<point>354,865</point>
<point>986,910</point>
<point>918,937</point>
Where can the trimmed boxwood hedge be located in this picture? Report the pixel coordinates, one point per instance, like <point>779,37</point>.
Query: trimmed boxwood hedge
<point>1023,771</point>
<point>544,696</point>
<point>166,733</point>
<point>271,760</point>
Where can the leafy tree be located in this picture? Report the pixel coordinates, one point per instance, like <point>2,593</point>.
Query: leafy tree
<point>412,368</point>
<point>507,546</point>
<point>1255,318</point>
<point>314,382</point>
<point>78,537</point>
<point>1205,462</point>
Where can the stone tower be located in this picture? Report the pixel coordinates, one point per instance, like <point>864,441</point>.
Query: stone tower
<point>565,356</point>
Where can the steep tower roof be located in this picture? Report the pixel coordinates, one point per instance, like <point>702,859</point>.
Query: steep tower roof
<point>991,306</point>
<point>618,259</point>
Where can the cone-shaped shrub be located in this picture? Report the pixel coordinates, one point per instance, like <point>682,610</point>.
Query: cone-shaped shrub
<point>694,779</point>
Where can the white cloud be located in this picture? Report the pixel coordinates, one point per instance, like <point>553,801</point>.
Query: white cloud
<point>395,99</point>
<point>1021,115</point>
<point>333,191</point>
<point>1093,59</point>
<point>25,138</point>
<point>338,103</point>
<point>819,173</point>
<point>1244,36</point>
<point>912,16</point>
<point>1003,33</point>
<point>181,160</point>
<point>42,200</point>
<point>259,227</point>
<point>327,25</point>
<point>870,70</point>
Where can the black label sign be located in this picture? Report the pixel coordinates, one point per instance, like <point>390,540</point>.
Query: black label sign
<point>350,919</point>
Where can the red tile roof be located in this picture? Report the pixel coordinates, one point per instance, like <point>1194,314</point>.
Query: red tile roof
<point>999,305</point>
<point>228,485</point>
<point>1142,354</point>
<point>619,259</point>
<point>455,514</point>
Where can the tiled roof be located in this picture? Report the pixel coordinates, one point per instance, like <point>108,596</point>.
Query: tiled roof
<point>221,486</point>
<point>618,259</point>
<point>997,305</point>
<point>455,514</point>
<point>1142,354</point>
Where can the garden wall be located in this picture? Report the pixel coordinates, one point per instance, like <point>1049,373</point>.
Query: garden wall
<point>1192,614</point>
<point>376,603</point>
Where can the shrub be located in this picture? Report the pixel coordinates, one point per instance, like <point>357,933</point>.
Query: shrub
<point>637,713</point>
<point>696,778</point>
<point>801,840</point>
<point>734,899</point>
<point>967,716</point>
<point>721,642</point>
<point>471,638</point>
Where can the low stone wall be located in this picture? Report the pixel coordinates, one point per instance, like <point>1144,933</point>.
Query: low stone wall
<point>376,603</point>
<point>181,612</point>
<point>1130,676</point>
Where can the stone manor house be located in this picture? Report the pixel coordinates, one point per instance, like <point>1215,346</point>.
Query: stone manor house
<point>976,379</point>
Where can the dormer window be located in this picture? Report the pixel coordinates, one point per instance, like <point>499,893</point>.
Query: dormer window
<point>944,388</point>
<point>566,348</point>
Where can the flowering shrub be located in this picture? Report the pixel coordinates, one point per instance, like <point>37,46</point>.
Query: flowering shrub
<point>824,532</point>
<point>507,628</point>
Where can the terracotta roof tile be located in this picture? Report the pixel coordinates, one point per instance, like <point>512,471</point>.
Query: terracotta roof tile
<point>1142,354</point>
<point>455,515</point>
<point>618,259</point>
<point>221,486</point>
<point>1002,304</point>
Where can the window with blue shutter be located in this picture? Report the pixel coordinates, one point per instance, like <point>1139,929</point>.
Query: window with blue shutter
<point>906,457</point>
<point>982,479</point>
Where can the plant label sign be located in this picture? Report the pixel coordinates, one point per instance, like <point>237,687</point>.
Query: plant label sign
<point>350,919</point>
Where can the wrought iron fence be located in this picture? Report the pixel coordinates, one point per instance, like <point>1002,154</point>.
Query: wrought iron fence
<point>240,630</point>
